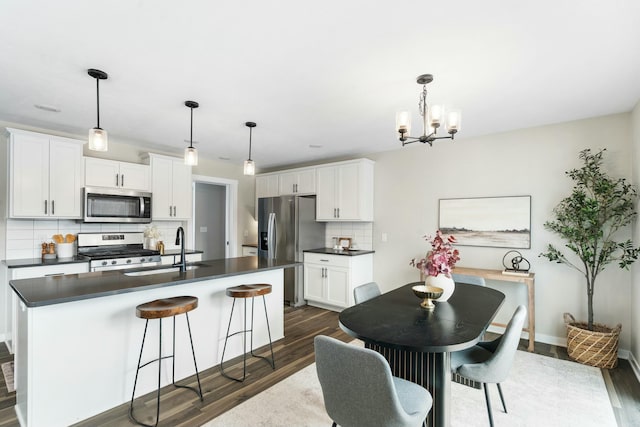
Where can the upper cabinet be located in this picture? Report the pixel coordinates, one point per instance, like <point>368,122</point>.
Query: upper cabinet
<point>344,191</point>
<point>171,188</point>
<point>113,174</point>
<point>298,181</point>
<point>266,185</point>
<point>46,176</point>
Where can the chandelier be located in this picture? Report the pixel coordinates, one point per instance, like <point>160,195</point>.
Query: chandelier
<point>432,119</point>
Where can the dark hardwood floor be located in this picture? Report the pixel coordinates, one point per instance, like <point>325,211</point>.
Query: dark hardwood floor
<point>181,408</point>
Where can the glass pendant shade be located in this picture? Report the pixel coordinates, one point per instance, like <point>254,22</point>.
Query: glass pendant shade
<point>249,167</point>
<point>403,123</point>
<point>436,116</point>
<point>98,139</point>
<point>190,156</point>
<point>453,121</point>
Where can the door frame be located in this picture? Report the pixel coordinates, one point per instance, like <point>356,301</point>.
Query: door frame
<point>231,214</point>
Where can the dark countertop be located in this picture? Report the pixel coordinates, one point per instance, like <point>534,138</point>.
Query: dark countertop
<point>177,252</point>
<point>39,262</point>
<point>329,251</point>
<point>75,287</point>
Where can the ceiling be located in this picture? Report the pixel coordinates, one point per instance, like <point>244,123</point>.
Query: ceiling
<point>322,79</point>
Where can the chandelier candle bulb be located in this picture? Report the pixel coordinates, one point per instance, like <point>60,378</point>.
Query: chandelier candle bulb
<point>403,122</point>
<point>453,121</point>
<point>435,115</point>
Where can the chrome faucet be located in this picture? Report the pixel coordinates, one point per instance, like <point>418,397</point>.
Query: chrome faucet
<point>180,241</point>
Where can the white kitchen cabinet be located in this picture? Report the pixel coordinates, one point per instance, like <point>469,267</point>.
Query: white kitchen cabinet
<point>298,181</point>
<point>173,258</point>
<point>114,174</point>
<point>46,176</point>
<point>249,250</point>
<point>329,280</point>
<point>344,191</point>
<point>266,185</point>
<point>30,273</point>
<point>171,188</point>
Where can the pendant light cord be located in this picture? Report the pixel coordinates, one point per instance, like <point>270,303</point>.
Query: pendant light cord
<point>250,132</point>
<point>98,100</point>
<point>191,137</point>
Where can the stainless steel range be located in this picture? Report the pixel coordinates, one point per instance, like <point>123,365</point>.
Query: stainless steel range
<point>116,251</point>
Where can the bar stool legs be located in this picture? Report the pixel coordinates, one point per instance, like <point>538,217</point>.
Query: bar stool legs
<point>148,316</point>
<point>245,292</point>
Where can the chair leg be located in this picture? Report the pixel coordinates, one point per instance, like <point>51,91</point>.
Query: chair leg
<point>193,353</point>
<point>244,337</point>
<point>271,362</point>
<point>486,396</point>
<point>502,398</point>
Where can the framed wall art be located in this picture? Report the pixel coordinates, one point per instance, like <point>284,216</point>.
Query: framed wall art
<point>501,222</point>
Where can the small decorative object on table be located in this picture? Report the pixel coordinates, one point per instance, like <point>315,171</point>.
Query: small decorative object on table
<point>438,264</point>
<point>151,236</point>
<point>427,293</point>
<point>519,264</point>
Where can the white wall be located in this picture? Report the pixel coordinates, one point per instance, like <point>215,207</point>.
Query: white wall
<point>635,285</point>
<point>410,180</point>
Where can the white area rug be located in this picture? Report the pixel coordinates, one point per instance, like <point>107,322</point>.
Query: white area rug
<point>7,371</point>
<point>540,391</point>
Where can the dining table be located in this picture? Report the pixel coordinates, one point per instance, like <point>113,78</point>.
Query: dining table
<point>418,342</point>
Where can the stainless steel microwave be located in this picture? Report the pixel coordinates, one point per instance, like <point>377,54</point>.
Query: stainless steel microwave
<point>116,205</point>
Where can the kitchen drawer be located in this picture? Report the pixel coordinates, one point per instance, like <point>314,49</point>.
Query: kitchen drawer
<point>328,260</point>
<point>49,270</point>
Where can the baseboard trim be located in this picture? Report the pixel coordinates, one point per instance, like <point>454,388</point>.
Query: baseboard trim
<point>634,365</point>
<point>561,342</point>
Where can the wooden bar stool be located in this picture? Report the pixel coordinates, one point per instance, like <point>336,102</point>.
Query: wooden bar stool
<point>159,309</point>
<point>244,292</point>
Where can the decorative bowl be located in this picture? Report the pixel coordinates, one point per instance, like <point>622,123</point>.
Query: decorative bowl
<point>427,293</point>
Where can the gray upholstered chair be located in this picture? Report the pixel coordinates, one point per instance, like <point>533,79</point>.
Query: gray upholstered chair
<point>465,278</point>
<point>365,292</point>
<point>359,390</point>
<point>490,361</point>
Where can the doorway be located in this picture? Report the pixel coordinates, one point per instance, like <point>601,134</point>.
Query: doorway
<point>213,226</point>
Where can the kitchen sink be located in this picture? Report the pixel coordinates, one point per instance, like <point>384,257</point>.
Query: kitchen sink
<point>161,270</point>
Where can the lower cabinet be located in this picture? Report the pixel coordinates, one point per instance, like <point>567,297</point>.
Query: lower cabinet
<point>329,280</point>
<point>12,300</point>
<point>249,250</point>
<point>173,258</point>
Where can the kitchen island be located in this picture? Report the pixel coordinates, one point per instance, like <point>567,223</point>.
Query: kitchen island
<point>78,337</point>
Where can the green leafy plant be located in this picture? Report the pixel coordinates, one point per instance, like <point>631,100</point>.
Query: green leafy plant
<point>588,220</point>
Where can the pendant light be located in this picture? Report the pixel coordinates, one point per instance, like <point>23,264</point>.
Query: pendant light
<point>98,138</point>
<point>190,153</point>
<point>249,165</point>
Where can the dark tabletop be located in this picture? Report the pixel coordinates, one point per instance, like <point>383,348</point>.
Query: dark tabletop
<point>74,287</point>
<point>396,320</point>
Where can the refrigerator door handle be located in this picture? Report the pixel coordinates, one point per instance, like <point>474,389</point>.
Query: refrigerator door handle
<point>271,235</point>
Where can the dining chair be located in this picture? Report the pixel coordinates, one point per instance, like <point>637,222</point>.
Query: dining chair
<point>359,389</point>
<point>465,278</point>
<point>365,292</point>
<point>490,361</point>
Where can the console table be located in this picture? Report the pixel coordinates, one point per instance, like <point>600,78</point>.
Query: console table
<point>528,280</point>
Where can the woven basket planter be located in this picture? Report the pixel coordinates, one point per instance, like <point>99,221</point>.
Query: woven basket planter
<point>597,348</point>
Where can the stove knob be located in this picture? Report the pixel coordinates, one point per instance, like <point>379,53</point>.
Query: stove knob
<point>114,262</point>
<point>104,262</point>
<point>128,261</point>
<point>142,260</point>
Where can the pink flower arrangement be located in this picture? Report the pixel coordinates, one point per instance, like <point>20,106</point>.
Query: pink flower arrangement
<point>442,257</point>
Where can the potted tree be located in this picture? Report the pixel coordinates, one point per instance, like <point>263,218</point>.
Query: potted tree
<point>588,220</point>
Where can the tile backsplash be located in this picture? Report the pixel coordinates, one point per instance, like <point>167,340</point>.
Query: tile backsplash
<point>25,236</point>
<point>361,233</point>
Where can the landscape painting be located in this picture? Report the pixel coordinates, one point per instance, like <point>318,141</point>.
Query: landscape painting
<point>502,222</point>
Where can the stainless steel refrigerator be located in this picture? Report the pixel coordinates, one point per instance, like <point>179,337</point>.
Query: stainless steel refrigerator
<point>286,227</point>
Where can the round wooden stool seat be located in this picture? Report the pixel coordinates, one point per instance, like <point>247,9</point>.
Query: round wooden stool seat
<point>166,307</point>
<point>248,291</point>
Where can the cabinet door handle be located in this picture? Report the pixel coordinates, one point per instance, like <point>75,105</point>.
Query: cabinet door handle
<point>122,180</point>
<point>324,260</point>
<point>170,211</point>
<point>174,211</point>
<point>117,180</point>
<point>53,207</point>
<point>338,212</point>
<point>45,207</point>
